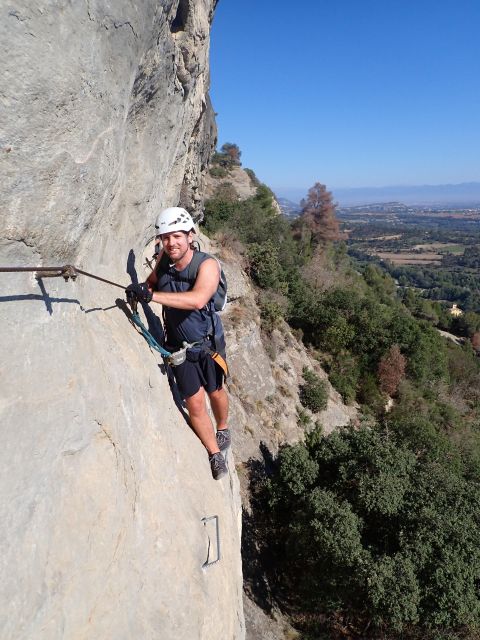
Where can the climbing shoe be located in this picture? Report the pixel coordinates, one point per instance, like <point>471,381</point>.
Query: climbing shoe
<point>223,439</point>
<point>217,465</point>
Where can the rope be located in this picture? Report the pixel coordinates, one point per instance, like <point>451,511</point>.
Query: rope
<point>148,336</point>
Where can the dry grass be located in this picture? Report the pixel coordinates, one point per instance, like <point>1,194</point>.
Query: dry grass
<point>230,248</point>
<point>237,316</point>
<point>285,391</point>
<point>278,373</point>
<point>411,258</point>
<point>249,429</point>
<point>438,246</point>
<point>395,237</point>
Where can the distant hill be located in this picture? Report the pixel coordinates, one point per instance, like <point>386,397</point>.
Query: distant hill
<point>463,194</point>
<point>380,207</point>
<point>289,208</point>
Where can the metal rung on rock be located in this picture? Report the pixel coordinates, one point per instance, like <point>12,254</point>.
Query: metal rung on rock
<point>209,562</point>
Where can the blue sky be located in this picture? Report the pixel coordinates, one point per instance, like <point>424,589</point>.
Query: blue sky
<point>350,93</point>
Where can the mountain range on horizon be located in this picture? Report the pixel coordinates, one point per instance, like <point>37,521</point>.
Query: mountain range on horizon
<point>462,194</point>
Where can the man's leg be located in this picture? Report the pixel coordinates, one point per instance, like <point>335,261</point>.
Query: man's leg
<point>219,404</point>
<point>201,423</point>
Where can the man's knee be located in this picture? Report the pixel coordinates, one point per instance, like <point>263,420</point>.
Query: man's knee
<point>196,403</point>
<point>217,393</point>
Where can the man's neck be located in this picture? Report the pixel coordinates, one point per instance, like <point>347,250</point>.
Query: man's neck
<point>184,261</point>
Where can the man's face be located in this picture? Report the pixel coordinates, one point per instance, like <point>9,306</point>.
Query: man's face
<point>176,244</point>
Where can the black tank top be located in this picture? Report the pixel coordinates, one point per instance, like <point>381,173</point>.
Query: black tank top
<point>183,325</point>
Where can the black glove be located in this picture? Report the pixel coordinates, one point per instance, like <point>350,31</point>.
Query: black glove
<point>140,291</point>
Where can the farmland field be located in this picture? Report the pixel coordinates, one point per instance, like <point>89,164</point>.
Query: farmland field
<point>443,247</point>
<point>410,258</point>
<point>437,256</point>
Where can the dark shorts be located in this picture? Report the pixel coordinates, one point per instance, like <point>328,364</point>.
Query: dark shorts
<point>199,370</point>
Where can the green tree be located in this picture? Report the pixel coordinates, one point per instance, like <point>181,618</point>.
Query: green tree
<point>313,392</point>
<point>231,151</point>
<point>265,267</point>
<point>381,283</point>
<point>362,526</point>
<point>344,375</point>
<point>228,156</point>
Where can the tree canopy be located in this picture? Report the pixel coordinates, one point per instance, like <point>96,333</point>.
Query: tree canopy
<point>318,215</point>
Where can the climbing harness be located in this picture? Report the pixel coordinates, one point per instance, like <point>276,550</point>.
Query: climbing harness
<point>178,357</point>
<point>219,359</point>
<point>219,301</point>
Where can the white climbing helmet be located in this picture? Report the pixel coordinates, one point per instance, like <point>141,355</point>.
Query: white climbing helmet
<point>173,219</point>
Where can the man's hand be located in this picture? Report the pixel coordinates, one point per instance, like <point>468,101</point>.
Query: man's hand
<point>140,291</point>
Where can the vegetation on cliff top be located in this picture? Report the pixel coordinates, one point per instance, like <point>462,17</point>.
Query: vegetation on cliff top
<point>369,531</point>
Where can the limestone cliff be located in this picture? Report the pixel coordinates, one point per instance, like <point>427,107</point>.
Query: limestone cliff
<point>106,119</point>
<point>244,183</point>
<point>237,177</point>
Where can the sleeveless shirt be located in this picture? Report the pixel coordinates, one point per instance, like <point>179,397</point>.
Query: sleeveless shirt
<point>182,325</point>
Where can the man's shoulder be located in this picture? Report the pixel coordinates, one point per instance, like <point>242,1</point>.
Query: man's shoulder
<point>198,259</point>
<point>200,256</point>
<point>190,272</point>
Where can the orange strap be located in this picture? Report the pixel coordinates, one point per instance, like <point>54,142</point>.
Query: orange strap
<point>221,363</point>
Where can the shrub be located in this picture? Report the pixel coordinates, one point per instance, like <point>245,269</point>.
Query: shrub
<point>313,393</point>
<point>360,526</point>
<point>253,178</point>
<point>370,395</point>
<point>303,419</point>
<point>218,172</point>
<point>344,375</point>
<point>427,356</point>
<point>218,212</point>
<point>272,309</point>
<point>265,268</point>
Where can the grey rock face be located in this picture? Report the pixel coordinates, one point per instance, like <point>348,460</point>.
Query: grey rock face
<point>241,182</point>
<point>105,119</point>
<point>106,113</point>
<point>238,178</point>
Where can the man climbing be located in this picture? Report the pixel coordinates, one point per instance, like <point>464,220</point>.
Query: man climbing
<point>185,282</point>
